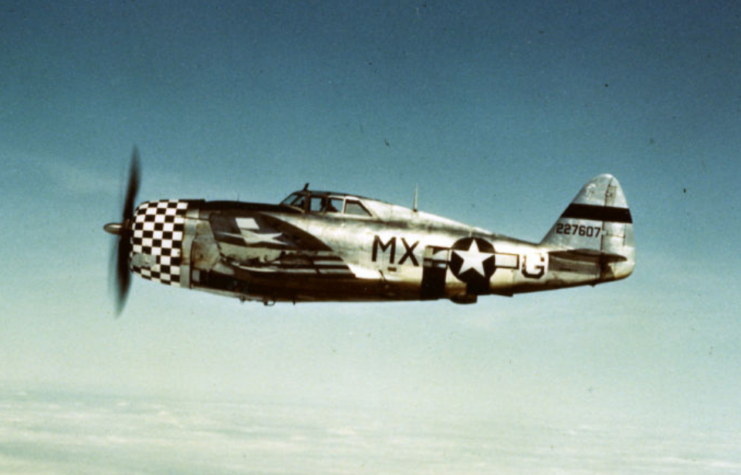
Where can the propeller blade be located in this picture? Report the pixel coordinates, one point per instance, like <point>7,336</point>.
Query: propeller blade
<point>133,186</point>
<point>121,275</point>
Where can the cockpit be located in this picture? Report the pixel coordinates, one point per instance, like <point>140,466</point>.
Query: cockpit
<point>327,202</point>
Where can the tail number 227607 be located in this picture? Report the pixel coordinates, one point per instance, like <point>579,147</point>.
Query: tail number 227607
<point>578,229</point>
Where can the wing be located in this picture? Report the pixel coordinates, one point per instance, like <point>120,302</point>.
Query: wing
<point>266,245</point>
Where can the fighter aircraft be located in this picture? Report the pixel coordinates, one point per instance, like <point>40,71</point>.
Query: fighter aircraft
<point>323,246</point>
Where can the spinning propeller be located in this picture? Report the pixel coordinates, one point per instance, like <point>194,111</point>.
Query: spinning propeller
<point>121,277</point>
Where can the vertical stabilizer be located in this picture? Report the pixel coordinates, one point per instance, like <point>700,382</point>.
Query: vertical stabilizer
<point>598,223</point>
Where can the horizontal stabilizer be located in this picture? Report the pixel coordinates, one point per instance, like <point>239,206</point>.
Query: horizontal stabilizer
<point>587,255</point>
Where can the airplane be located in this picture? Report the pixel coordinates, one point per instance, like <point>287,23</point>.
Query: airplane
<point>322,246</point>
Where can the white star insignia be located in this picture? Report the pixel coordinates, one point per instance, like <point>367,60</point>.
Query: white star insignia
<point>247,228</point>
<point>251,237</point>
<point>473,259</point>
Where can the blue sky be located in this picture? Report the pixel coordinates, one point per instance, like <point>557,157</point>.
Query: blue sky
<point>498,111</point>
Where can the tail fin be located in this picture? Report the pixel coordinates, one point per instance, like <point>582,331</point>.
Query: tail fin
<point>597,222</point>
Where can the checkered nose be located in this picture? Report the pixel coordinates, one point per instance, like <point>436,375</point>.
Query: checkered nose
<point>157,240</point>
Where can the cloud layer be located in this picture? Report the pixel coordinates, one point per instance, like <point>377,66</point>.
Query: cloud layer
<point>77,433</point>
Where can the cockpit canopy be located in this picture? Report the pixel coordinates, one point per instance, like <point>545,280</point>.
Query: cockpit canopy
<point>327,202</point>
<point>344,205</point>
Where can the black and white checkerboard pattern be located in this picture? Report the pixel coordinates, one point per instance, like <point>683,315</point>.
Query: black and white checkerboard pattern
<point>158,231</point>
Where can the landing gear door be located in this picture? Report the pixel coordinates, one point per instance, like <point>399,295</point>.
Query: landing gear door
<point>434,270</point>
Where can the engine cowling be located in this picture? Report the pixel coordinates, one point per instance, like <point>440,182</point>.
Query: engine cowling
<point>157,235</point>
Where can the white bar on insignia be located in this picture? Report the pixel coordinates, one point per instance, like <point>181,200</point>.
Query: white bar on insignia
<point>507,261</point>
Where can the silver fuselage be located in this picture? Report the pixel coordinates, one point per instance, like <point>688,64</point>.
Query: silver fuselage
<point>322,246</point>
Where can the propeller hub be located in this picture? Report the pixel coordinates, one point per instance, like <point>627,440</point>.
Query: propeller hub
<point>114,228</point>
